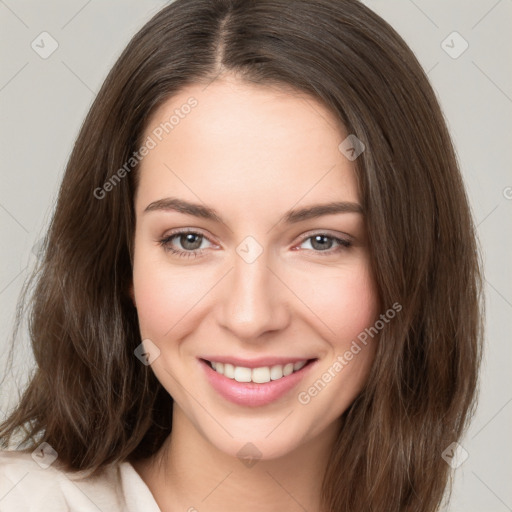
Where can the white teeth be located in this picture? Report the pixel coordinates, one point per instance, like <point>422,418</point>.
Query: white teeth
<point>229,370</point>
<point>276,372</point>
<point>287,369</point>
<point>242,374</point>
<point>261,375</point>
<point>257,375</point>
<point>299,365</point>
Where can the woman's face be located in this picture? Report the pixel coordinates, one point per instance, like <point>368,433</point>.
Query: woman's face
<point>265,280</point>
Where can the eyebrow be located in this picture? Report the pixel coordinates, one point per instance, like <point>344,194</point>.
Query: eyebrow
<point>290,217</point>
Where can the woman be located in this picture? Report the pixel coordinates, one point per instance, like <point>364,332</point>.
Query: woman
<point>260,286</point>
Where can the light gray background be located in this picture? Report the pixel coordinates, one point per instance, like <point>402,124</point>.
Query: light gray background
<point>43,103</point>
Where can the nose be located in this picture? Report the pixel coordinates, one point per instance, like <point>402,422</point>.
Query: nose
<point>254,300</point>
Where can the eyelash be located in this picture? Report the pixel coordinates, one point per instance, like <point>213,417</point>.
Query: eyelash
<point>166,244</point>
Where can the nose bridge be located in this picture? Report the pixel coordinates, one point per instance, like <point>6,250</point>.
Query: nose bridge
<point>253,301</point>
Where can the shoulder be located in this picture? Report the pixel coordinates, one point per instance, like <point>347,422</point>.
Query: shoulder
<point>29,482</point>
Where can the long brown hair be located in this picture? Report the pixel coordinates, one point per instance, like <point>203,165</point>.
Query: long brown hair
<point>95,403</point>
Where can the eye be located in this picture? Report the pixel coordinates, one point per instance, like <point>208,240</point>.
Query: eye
<point>190,241</point>
<point>323,243</point>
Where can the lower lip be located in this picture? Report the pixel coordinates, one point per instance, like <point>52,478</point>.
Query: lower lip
<point>251,394</point>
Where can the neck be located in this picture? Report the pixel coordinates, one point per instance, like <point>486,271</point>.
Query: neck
<point>190,474</point>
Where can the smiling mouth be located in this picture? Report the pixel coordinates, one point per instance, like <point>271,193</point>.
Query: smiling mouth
<point>260,375</point>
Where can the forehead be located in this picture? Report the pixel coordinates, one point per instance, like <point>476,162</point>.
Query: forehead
<point>246,147</point>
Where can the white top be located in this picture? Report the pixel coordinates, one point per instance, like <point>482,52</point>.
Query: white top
<point>29,485</point>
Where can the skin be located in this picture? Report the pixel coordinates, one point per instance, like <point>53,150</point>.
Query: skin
<point>252,153</point>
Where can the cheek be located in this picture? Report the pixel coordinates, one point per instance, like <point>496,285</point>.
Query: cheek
<point>163,299</point>
<point>340,301</point>
<point>358,307</point>
<point>343,302</point>
<point>347,306</point>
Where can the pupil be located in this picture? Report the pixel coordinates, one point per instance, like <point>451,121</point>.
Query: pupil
<point>321,240</point>
<point>189,239</point>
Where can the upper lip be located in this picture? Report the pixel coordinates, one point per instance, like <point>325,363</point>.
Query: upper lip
<point>257,362</point>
